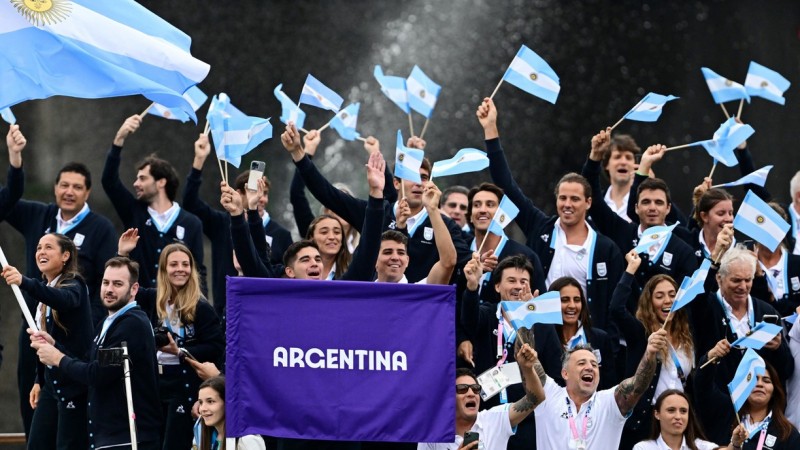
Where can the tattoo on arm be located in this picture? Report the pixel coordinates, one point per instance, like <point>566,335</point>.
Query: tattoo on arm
<point>537,367</point>
<point>526,404</point>
<point>631,389</point>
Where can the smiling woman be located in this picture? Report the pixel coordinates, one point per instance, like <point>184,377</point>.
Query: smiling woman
<point>675,425</point>
<point>210,428</point>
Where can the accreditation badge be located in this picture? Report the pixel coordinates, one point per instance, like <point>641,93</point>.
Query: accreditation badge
<point>770,441</point>
<point>78,239</point>
<point>428,234</point>
<point>180,232</point>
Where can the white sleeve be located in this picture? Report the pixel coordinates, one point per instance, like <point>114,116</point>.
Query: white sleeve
<point>794,341</point>
<point>251,442</point>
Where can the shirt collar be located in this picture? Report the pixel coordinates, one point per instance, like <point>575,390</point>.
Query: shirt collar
<point>562,235</point>
<point>65,223</point>
<point>663,445</point>
<point>166,215</point>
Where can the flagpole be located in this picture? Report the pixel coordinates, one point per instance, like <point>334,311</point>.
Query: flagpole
<point>424,127</point>
<point>669,316</point>
<point>327,124</point>
<point>18,294</point>
<point>623,117</point>
<point>484,240</point>
<point>402,189</point>
<point>221,170</point>
<point>618,122</point>
<point>709,362</point>
<point>205,129</point>
<point>147,109</point>
<point>304,130</point>
<point>361,139</point>
<point>713,168</point>
<point>410,124</point>
<point>741,104</point>
<point>693,144</point>
<point>496,88</point>
<point>226,172</point>
<point>727,116</point>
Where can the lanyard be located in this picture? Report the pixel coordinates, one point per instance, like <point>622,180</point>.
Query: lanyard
<point>772,282</point>
<point>578,339</point>
<point>180,332</point>
<point>75,221</point>
<point>762,427</point>
<point>107,323</point>
<point>677,362</point>
<point>751,320</point>
<point>572,426</point>
<point>169,223</point>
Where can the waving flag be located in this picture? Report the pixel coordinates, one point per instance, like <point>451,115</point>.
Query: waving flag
<point>758,220</point>
<point>407,161</point>
<point>317,94</point>
<point>465,161</point>
<point>722,89</point>
<point>545,308</point>
<point>422,92</point>
<point>654,237</point>
<point>649,108</point>
<point>194,96</point>
<point>93,49</point>
<point>235,133</point>
<point>8,116</point>
<point>290,112</point>
<point>394,88</point>
<point>762,333</point>
<point>744,381</point>
<point>758,177</point>
<point>345,122</point>
<point>504,215</point>
<point>766,83</point>
<point>691,287</point>
<point>727,137</point>
<point>529,72</point>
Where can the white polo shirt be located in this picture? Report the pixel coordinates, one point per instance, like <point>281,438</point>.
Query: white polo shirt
<point>493,427</point>
<point>570,260</point>
<point>622,211</point>
<point>603,425</point>
<point>659,444</point>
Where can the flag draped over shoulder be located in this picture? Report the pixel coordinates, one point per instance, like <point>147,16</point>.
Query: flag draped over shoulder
<point>758,220</point>
<point>93,49</point>
<point>340,360</point>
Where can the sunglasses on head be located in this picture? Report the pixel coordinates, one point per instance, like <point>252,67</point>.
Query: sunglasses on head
<point>462,388</point>
<point>453,205</point>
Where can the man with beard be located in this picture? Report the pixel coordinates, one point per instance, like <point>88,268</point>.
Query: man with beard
<point>128,323</point>
<point>153,209</point>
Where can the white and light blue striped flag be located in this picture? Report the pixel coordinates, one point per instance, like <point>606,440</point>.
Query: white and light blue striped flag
<point>758,220</point>
<point>691,287</point>
<point>233,132</point>
<point>744,381</point>
<point>344,122</point>
<point>722,89</point>
<point>290,112</point>
<point>529,72</point>
<point>727,137</point>
<point>766,83</point>
<point>422,92</point>
<point>94,49</point>
<point>506,212</point>
<point>317,94</point>
<point>194,96</point>
<point>758,177</point>
<point>8,116</point>
<point>407,161</point>
<point>649,108</point>
<point>762,333</point>
<point>545,308</point>
<point>465,161</point>
<point>394,88</point>
<point>654,236</point>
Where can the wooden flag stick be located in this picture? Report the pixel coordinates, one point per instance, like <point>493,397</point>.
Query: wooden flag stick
<point>361,139</point>
<point>221,170</point>
<point>727,116</point>
<point>618,122</point>
<point>741,104</point>
<point>677,147</point>
<point>666,321</point>
<point>713,168</point>
<point>496,88</point>
<point>483,241</point>
<point>147,109</point>
<point>623,117</point>
<point>424,127</point>
<point>325,126</point>
<point>20,300</point>
<point>402,189</point>
<point>206,128</point>
<point>410,124</point>
<point>304,131</point>
<point>708,362</point>
<point>226,173</point>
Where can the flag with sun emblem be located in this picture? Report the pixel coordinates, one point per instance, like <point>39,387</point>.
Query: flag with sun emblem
<point>744,381</point>
<point>529,72</point>
<point>722,89</point>
<point>422,92</point>
<point>407,161</point>
<point>344,122</point>
<point>766,83</point>
<point>649,108</point>
<point>545,308</point>
<point>317,94</point>
<point>506,212</point>
<point>194,96</point>
<point>93,49</point>
<point>758,220</point>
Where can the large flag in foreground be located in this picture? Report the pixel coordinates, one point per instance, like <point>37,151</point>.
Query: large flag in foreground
<point>340,360</point>
<point>93,49</point>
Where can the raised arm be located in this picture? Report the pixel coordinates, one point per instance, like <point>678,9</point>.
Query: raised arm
<point>629,391</point>
<point>251,264</point>
<point>362,267</point>
<point>607,221</point>
<point>533,379</point>
<point>10,194</point>
<point>441,272</point>
<point>121,198</point>
<point>301,209</point>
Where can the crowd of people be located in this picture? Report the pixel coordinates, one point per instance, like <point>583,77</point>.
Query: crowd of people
<point>619,372</point>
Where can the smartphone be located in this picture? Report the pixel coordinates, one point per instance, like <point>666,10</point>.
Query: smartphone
<point>771,318</point>
<point>470,437</point>
<point>187,354</point>
<point>256,172</point>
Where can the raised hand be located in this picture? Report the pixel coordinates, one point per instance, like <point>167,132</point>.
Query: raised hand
<point>16,142</point>
<point>376,180</point>
<point>230,200</point>
<point>473,271</point>
<point>634,261</point>
<point>600,144</point>
<point>127,241</point>
<point>128,127</point>
<point>403,213</point>
<point>416,142</point>
<point>487,116</point>
<point>312,141</point>
<point>371,145</point>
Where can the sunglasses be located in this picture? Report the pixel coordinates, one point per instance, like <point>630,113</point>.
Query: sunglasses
<point>456,205</point>
<point>462,388</point>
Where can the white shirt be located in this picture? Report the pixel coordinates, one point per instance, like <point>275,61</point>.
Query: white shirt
<point>493,427</point>
<point>793,384</point>
<point>38,317</point>
<point>742,326</point>
<point>168,359</point>
<point>164,218</point>
<point>604,427</point>
<point>775,275</point>
<point>61,224</point>
<point>796,214</point>
<point>570,260</point>
<point>622,211</point>
<point>659,444</point>
<point>668,378</point>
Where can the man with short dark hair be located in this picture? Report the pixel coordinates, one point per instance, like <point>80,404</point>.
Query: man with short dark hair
<point>153,209</point>
<point>126,323</point>
<point>619,162</point>
<point>454,204</point>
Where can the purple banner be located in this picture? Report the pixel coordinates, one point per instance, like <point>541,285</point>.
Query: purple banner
<point>340,360</point>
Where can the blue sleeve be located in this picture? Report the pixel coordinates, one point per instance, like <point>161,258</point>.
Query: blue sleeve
<point>121,198</point>
<point>628,325</point>
<point>349,208</point>
<point>67,296</point>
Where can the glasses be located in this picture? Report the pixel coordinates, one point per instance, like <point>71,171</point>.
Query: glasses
<point>462,388</point>
<point>453,205</point>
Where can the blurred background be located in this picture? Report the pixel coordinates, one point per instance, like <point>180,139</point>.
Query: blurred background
<point>607,55</point>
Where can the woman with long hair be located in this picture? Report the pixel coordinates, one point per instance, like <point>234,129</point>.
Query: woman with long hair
<point>675,426</point>
<point>675,364</point>
<point>63,311</point>
<point>210,428</point>
<point>327,232</point>
<point>713,208</point>
<point>577,329</point>
<point>186,326</point>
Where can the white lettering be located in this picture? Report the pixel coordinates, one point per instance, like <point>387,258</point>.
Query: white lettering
<point>346,359</point>
<point>361,354</point>
<point>399,361</point>
<point>333,356</point>
<point>320,364</point>
<point>382,361</point>
<point>342,359</point>
<point>279,357</point>
<point>296,357</point>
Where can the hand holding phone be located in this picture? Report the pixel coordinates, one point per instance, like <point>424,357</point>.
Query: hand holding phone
<point>256,172</point>
<point>470,437</point>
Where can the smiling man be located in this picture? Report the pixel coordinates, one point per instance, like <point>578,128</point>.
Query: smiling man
<point>619,163</point>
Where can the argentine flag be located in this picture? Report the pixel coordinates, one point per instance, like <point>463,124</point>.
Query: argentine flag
<point>394,88</point>
<point>529,72</point>
<point>649,108</point>
<point>8,116</point>
<point>194,96</point>
<point>744,381</point>
<point>407,161</point>
<point>722,89</point>
<point>465,161</point>
<point>766,83</point>
<point>504,215</point>
<point>345,122</point>
<point>762,333</point>
<point>758,220</point>
<point>93,49</point>
<point>317,94</point>
<point>654,236</point>
<point>758,177</point>
<point>290,112</point>
<point>545,308</point>
<point>727,137</point>
<point>235,133</point>
<point>691,287</point>
<point>422,92</point>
